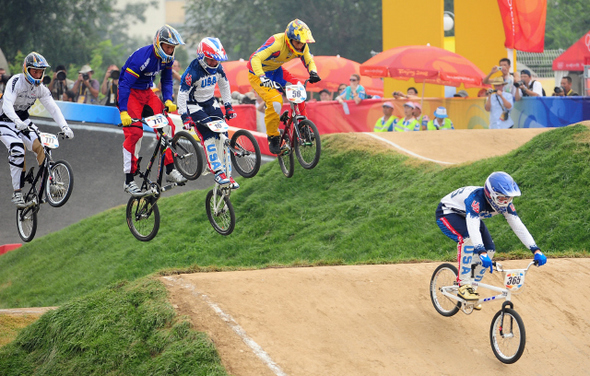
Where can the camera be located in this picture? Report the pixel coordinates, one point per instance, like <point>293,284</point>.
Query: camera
<point>558,89</point>
<point>518,84</point>
<point>85,76</point>
<point>115,74</point>
<point>61,76</point>
<point>46,80</point>
<point>491,91</point>
<point>504,116</point>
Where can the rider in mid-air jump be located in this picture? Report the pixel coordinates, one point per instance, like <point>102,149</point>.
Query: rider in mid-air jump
<point>459,215</point>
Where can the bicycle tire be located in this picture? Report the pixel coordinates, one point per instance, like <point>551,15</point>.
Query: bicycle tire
<point>309,147</point>
<point>248,162</point>
<point>59,183</point>
<point>223,222</point>
<point>189,159</point>
<point>143,217</point>
<point>510,348</point>
<point>26,223</point>
<point>444,275</point>
<point>287,161</point>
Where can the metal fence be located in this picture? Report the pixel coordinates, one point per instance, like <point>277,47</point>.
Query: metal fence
<point>540,63</point>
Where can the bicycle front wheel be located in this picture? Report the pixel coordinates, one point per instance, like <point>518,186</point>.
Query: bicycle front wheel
<point>220,212</point>
<point>309,147</point>
<point>507,336</point>
<point>26,223</point>
<point>444,275</point>
<point>246,159</point>
<point>286,159</point>
<point>59,183</point>
<point>143,217</point>
<point>189,159</point>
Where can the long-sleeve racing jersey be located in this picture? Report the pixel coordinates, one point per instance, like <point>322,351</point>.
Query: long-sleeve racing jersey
<point>274,53</point>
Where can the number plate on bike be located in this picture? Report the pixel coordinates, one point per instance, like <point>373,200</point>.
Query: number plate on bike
<point>156,121</point>
<point>514,280</point>
<point>218,126</point>
<point>49,140</point>
<point>296,93</point>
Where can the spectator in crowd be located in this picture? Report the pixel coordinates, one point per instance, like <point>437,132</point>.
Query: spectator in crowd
<point>385,123</point>
<point>60,83</point>
<point>527,87</point>
<point>325,95</point>
<point>411,93</point>
<point>408,123</point>
<point>3,80</point>
<point>341,88</point>
<point>482,93</point>
<point>566,84</point>
<point>558,92</point>
<point>461,94</point>
<point>504,67</point>
<point>441,120</point>
<point>69,96</point>
<point>110,85</point>
<point>498,104</point>
<point>86,87</point>
<point>353,92</point>
<point>421,119</point>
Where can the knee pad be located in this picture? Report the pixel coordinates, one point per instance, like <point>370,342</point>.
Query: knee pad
<point>277,106</point>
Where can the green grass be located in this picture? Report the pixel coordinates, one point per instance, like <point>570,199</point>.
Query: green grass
<point>355,207</point>
<point>124,329</point>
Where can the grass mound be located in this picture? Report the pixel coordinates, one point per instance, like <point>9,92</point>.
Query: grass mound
<point>125,329</point>
<point>357,206</point>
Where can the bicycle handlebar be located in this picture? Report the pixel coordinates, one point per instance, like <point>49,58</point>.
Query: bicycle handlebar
<point>277,85</point>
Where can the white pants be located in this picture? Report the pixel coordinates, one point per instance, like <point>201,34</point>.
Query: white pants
<point>466,258</point>
<point>16,141</point>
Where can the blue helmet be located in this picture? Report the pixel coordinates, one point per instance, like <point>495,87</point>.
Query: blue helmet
<point>168,35</point>
<point>36,61</point>
<point>500,189</point>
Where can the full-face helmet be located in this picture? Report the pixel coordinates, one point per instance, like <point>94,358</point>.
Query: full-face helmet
<point>500,189</point>
<point>36,61</point>
<point>209,53</point>
<point>298,31</point>
<point>167,35</point>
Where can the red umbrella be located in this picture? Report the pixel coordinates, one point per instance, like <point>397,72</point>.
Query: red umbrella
<point>237,74</point>
<point>424,64</point>
<point>333,70</point>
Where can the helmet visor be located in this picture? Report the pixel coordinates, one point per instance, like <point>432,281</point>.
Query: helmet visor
<point>503,200</point>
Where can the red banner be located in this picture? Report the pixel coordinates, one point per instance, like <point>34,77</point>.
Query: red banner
<point>524,24</point>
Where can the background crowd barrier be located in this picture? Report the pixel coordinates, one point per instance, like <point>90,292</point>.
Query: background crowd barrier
<point>333,117</point>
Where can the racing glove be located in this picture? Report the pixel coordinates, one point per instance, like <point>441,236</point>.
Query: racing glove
<point>230,113</point>
<point>21,125</point>
<point>486,262</point>
<point>540,258</point>
<point>125,119</point>
<point>171,106</point>
<point>313,77</point>
<point>67,131</point>
<point>189,123</point>
<point>266,82</point>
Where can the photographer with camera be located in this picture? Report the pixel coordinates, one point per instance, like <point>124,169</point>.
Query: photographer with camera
<point>503,67</point>
<point>558,92</point>
<point>527,87</point>
<point>86,88</point>
<point>60,83</point>
<point>498,104</point>
<point>110,85</point>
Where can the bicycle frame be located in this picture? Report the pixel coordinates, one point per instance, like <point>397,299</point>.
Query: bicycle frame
<point>43,170</point>
<point>223,146</point>
<point>294,118</point>
<point>504,293</point>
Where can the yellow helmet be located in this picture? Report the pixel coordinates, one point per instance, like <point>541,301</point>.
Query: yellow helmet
<point>299,31</point>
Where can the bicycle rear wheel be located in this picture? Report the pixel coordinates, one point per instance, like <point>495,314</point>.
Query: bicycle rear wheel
<point>286,159</point>
<point>189,158</point>
<point>444,275</point>
<point>247,159</point>
<point>26,223</point>
<point>507,336</point>
<point>220,212</point>
<point>309,147</point>
<point>59,183</point>
<point>143,217</point>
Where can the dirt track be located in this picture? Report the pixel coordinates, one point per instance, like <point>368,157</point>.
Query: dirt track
<point>379,320</point>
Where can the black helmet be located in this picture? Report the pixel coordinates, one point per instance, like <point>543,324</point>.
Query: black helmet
<point>169,35</point>
<point>37,61</point>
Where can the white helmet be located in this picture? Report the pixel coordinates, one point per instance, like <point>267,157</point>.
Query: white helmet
<point>500,189</point>
<point>210,48</point>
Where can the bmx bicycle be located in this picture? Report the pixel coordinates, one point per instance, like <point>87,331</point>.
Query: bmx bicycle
<point>54,179</point>
<point>300,134</point>
<point>507,333</point>
<point>142,213</point>
<point>243,153</point>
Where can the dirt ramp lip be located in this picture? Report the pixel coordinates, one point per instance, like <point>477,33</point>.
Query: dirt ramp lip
<point>379,320</point>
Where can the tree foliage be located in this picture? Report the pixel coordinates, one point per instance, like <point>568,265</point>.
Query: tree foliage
<point>567,21</point>
<point>349,28</point>
<point>66,31</point>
